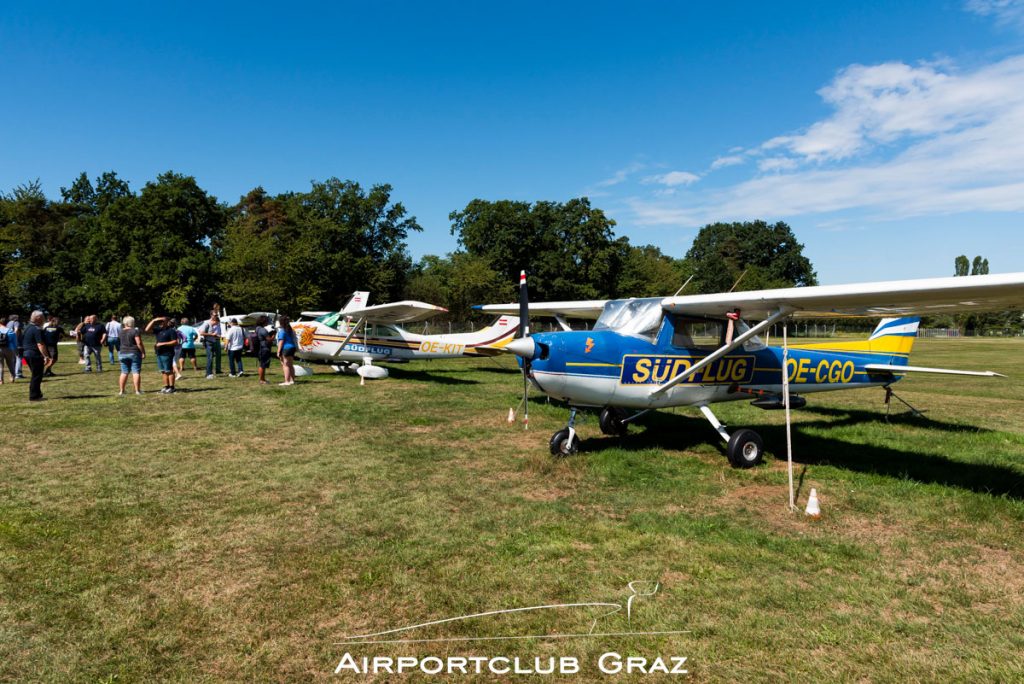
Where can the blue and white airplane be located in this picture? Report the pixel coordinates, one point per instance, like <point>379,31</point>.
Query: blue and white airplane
<point>698,350</point>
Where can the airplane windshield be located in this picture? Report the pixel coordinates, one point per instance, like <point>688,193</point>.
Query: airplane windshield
<point>636,317</point>
<point>754,343</point>
<point>330,320</point>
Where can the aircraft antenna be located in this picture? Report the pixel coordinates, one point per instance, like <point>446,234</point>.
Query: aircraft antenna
<point>683,287</point>
<point>739,279</point>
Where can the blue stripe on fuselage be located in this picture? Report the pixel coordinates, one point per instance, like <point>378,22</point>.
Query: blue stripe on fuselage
<point>634,361</point>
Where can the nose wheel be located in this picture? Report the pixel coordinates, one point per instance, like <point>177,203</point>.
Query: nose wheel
<point>566,442</point>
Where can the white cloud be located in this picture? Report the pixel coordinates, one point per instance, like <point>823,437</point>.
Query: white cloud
<point>901,141</point>
<point>777,164</point>
<point>621,176</point>
<point>673,178</point>
<point>1006,12</point>
<point>728,160</point>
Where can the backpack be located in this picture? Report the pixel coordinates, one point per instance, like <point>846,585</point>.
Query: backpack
<point>254,341</point>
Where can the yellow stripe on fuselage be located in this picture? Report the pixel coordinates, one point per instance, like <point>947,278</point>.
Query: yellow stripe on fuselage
<point>883,345</point>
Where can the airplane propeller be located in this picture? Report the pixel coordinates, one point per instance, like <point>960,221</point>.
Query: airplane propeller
<point>523,346</point>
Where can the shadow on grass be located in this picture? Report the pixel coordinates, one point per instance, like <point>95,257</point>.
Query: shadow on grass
<point>855,416</point>
<point>668,431</point>
<point>442,377</point>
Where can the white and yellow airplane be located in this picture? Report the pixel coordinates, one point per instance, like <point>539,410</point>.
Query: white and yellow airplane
<point>350,340</point>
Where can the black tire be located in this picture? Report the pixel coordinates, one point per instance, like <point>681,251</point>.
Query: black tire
<point>746,449</point>
<point>611,421</point>
<point>561,446</point>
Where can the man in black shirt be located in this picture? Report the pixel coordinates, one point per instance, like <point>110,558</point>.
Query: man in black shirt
<point>166,341</point>
<point>36,355</point>
<point>262,347</point>
<point>52,332</point>
<point>93,333</point>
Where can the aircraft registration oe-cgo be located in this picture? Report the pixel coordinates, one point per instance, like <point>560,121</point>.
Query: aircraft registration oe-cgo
<point>697,350</point>
<point>350,340</point>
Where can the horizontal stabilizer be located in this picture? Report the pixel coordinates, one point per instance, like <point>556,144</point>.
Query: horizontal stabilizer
<point>886,368</point>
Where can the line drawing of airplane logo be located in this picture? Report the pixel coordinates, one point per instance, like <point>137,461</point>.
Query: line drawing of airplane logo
<point>637,589</point>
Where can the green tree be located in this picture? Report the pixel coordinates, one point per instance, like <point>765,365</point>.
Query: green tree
<point>568,248</point>
<point>961,266</point>
<point>646,272</point>
<point>456,282</point>
<point>766,255</point>
<point>311,250</point>
<point>154,252</point>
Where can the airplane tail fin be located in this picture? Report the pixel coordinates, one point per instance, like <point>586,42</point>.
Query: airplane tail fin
<point>358,300</point>
<point>496,335</point>
<point>893,337</point>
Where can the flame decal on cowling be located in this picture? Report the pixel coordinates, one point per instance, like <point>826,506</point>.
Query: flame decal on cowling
<point>306,333</point>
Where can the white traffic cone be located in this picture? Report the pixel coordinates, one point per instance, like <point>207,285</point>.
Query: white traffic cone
<point>511,416</point>
<point>813,509</point>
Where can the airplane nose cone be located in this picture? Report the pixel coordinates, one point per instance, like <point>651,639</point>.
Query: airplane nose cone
<point>523,347</point>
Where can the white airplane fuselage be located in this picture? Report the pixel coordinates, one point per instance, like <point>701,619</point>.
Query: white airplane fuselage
<point>325,343</point>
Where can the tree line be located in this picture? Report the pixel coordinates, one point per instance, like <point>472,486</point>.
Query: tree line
<point>172,247</point>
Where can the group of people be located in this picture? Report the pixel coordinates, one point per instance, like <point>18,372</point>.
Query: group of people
<point>175,340</point>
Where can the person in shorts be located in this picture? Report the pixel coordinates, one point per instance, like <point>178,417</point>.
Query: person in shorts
<point>130,354</point>
<point>188,336</point>
<point>166,341</point>
<point>52,332</point>
<point>263,338</point>
<point>286,347</point>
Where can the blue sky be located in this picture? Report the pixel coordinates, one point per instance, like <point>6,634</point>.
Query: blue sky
<point>889,135</point>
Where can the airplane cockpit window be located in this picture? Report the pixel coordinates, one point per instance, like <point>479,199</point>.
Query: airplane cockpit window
<point>381,330</point>
<point>636,317</point>
<point>709,333</point>
<point>697,333</point>
<point>754,343</point>
<point>330,320</point>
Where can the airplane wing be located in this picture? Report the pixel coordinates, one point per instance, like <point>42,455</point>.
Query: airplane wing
<point>397,313</point>
<point>590,309</point>
<point>250,319</point>
<point>895,298</point>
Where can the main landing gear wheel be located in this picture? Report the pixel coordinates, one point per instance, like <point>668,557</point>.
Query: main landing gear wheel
<point>746,449</point>
<point>562,446</point>
<point>611,421</point>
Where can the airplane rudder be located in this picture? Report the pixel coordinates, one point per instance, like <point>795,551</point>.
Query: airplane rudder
<point>895,336</point>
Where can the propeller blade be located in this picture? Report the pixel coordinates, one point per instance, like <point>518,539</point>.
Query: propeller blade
<point>524,334</point>
<point>524,307</point>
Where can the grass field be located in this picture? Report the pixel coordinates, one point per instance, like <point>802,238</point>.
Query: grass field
<point>233,532</point>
